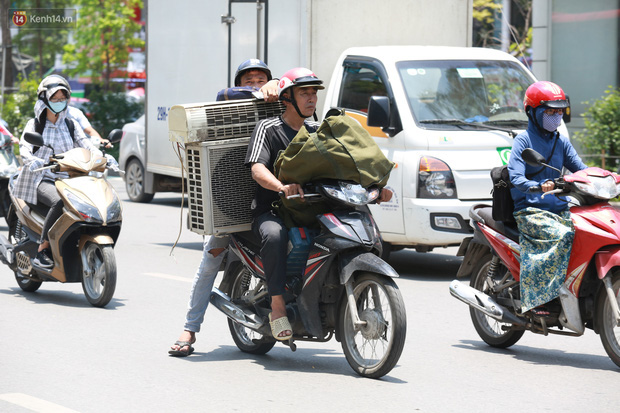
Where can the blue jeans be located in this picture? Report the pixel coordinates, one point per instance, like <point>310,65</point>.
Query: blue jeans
<point>203,282</point>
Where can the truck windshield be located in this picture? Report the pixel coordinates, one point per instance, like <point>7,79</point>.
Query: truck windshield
<point>453,93</point>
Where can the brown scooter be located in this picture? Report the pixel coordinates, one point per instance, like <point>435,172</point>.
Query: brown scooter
<point>82,239</point>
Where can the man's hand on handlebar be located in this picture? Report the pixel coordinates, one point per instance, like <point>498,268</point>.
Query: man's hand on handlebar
<point>384,196</point>
<point>291,189</point>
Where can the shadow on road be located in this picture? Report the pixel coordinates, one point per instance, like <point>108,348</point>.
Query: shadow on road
<point>427,266</point>
<point>306,360</point>
<point>544,356</point>
<point>63,298</point>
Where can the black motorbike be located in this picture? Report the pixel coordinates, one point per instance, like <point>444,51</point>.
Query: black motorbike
<point>336,285</point>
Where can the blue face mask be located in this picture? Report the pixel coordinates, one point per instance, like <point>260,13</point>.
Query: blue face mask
<point>57,107</point>
<point>551,122</point>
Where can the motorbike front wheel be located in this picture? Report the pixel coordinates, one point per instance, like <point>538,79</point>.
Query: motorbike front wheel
<point>374,348</point>
<point>247,340</point>
<point>98,273</point>
<point>609,331</point>
<point>491,331</point>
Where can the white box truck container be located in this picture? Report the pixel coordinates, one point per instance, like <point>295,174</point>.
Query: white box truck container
<point>193,48</point>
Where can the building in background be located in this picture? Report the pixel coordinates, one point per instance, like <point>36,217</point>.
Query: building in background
<point>575,44</point>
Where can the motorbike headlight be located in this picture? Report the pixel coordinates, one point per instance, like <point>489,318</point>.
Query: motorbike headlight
<point>87,211</point>
<point>352,194</point>
<point>599,187</point>
<point>114,210</point>
<point>435,179</point>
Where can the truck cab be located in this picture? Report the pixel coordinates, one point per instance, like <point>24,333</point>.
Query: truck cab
<point>446,116</point>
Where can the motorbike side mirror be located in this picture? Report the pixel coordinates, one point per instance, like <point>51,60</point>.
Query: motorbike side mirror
<point>533,158</point>
<point>115,135</point>
<point>5,140</point>
<point>34,138</point>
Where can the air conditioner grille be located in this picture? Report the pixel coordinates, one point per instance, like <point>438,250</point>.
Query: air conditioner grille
<point>220,187</point>
<point>236,121</point>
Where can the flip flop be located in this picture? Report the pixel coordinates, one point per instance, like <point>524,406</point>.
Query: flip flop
<point>278,326</point>
<point>181,353</point>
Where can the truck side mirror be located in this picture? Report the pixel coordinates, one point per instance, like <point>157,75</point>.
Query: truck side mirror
<point>379,112</point>
<point>567,115</point>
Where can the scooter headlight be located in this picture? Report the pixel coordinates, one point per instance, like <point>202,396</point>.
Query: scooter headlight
<point>87,211</point>
<point>114,210</point>
<point>352,194</point>
<point>600,187</point>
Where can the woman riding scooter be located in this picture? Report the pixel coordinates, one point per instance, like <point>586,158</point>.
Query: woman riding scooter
<point>60,134</point>
<point>545,226</point>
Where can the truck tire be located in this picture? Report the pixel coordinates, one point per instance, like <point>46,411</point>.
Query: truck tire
<point>134,182</point>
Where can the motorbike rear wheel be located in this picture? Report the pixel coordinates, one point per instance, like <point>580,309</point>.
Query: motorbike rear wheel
<point>16,234</point>
<point>247,340</point>
<point>489,329</point>
<point>98,273</point>
<point>609,331</point>
<point>372,350</point>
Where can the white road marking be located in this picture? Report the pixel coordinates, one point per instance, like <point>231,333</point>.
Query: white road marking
<point>169,277</point>
<point>34,404</point>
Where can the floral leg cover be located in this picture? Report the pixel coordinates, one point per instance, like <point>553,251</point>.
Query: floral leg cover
<point>546,240</point>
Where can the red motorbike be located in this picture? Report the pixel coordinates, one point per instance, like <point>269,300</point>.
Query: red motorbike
<point>589,297</point>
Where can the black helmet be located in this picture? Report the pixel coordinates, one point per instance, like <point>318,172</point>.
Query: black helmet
<point>251,64</point>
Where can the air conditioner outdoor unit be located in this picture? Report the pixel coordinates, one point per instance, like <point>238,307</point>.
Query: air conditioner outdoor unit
<point>216,137</point>
<point>199,122</point>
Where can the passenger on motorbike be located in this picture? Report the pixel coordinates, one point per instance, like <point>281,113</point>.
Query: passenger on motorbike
<point>545,226</point>
<point>34,186</point>
<point>252,75</point>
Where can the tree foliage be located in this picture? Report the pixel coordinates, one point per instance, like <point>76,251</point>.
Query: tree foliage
<point>42,44</point>
<point>485,14</point>
<point>18,107</point>
<point>601,134</point>
<point>104,36</point>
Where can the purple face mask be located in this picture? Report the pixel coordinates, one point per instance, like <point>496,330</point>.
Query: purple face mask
<point>551,122</point>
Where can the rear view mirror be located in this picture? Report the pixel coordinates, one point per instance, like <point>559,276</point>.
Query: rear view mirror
<point>379,112</point>
<point>115,135</point>
<point>531,157</point>
<point>34,138</point>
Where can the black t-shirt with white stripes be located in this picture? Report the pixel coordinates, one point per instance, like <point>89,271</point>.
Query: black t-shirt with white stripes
<point>270,136</point>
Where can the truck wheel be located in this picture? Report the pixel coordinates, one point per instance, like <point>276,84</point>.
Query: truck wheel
<point>134,182</point>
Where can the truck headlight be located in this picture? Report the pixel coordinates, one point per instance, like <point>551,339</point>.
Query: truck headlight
<point>435,179</point>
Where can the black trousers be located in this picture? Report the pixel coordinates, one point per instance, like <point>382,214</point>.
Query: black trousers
<point>48,196</point>
<point>274,240</point>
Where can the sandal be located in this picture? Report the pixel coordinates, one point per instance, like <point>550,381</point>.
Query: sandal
<point>280,325</point>
<point>540,311</point>
<point>181,353</point>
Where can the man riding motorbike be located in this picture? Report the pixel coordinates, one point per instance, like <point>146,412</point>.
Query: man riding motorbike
<point>298,90</point>
<point>545,226</point>
<point>60,134</point>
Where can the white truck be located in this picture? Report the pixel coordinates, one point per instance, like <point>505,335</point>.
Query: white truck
<point>193,48</point>
<point>446,116</point>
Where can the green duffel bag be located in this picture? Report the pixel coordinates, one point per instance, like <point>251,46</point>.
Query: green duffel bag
<point>340,149</point>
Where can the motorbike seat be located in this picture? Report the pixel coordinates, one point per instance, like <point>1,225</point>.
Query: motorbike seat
<point>39,208</point>
<point>508,229</point>
<point>250,238</point>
